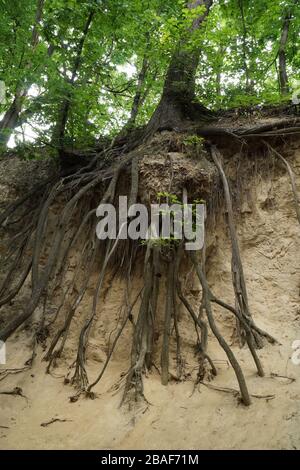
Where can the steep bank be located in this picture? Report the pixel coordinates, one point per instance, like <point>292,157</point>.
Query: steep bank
<point>180,415</point>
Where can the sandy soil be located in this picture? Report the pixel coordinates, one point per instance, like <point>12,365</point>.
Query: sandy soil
<point>181,416</point>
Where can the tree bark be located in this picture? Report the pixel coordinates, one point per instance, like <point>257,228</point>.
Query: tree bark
<point>9,121</point>
<point>60,127</point>
<point>138,97</point>
<point>249,83</point>
<point>178,102</point>
<point>283,76</point>
<point>11,117</point>
<point>219,64</point>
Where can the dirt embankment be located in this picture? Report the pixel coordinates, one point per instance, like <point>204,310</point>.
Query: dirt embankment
<point>180,415</point>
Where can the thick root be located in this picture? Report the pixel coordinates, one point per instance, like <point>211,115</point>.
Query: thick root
<point>33,246</point>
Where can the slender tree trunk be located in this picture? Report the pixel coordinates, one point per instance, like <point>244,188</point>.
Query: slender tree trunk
<point>221,52</point>
<point>10,120</point>
<point>218,83</point>
<point>60,127</point>
<point>138,97</point>
<point>283,76</point>
<point>11,117</point>
<point>249,83</point>
<point>178,102</point>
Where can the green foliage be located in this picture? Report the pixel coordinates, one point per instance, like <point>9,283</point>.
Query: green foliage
<point>170,242</point>
<point>238,62</point>
<point>170,198</point>
<point>162,242</point>
<point>194,141</point>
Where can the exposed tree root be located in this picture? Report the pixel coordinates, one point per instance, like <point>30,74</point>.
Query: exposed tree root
<point>128,316</point>
<point>238,278</point>
<point>141,336</point>
<point>203,328</point>
<point>43,253</point>
<point>54,420</point>
<point>281,127</point>
<point>169,309</point>
<point>235,392</point>
<point>231,357</point>
<point>291,176</point>
<point>16,392</point>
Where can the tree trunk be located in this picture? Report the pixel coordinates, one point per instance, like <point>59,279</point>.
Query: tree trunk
<point>10,121</point>
<point>11,117</point>
<point>219,64</point>
<point>63,113</point>
<point>178,102</point>
<point>138,97</point>
<point>249,83</point>
<point>283,76</point>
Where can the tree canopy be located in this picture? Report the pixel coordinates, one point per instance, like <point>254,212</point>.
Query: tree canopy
<point>100,64</point>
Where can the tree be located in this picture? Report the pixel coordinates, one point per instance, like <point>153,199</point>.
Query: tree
<point>178,102</point>
<point>60,127</point>
<point>283,76</point>
<point>11,116</point>
<point>85,80</point>
<point>139,96</point>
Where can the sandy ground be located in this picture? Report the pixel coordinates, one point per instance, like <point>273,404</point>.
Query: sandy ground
<point>181,416</point>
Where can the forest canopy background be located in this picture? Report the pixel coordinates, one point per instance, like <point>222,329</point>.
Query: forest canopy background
<point>106,61</point>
